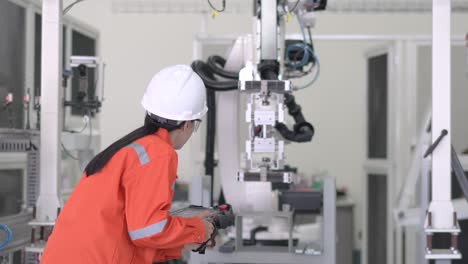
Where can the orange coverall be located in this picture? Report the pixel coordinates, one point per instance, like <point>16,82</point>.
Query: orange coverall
<point>121,214</point>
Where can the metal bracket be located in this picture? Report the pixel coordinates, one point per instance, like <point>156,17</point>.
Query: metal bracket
<point>452,252</point>
<point>266,86</point>
<point>265,176</point>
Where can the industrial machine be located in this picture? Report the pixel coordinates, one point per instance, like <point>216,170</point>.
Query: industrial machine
<point>253,84</point>
<point>23,231</point>
<point>19,160</point>
<point>19,174</point>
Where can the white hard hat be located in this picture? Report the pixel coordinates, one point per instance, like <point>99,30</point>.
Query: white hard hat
<point>176,93</point>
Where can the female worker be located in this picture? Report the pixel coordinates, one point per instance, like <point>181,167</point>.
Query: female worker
<point>119,210</point>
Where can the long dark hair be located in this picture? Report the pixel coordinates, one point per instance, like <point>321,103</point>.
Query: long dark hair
<point>150,127</point>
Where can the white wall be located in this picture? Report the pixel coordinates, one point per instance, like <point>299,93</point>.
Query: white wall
<point>137,46</point>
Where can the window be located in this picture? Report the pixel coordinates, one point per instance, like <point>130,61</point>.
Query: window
<point>83,46</point>
<point>377,106</point>
<point>37,54</point>
<point>377,218</point>
<point>12,63</point>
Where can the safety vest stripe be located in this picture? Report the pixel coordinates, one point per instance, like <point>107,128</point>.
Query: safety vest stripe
<point>140,150</point>
<point>148,231</point>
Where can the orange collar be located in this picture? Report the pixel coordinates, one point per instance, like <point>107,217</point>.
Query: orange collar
<point>164,135</point>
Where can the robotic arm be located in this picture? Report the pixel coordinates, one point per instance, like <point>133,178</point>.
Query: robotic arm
<point>268,93</point>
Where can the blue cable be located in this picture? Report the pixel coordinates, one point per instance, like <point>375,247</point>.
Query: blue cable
<point>298,47</point>
<point>8,236</point>
<point>307,53</point>
<point>317,73</point>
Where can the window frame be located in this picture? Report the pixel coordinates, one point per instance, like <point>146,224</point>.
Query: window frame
<point>31,9</point>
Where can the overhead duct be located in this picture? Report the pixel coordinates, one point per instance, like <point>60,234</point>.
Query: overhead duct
<point>397,6</point>
<point>245,7</point>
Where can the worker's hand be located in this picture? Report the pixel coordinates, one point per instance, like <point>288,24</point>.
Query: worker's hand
<point>208,227</point>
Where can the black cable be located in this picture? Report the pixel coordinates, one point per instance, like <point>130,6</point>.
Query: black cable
<point>70,6</point>
<point>303,131</point>
<point>90,137</point>
<point>216,64</point>
<point>222,198</point>
<point>310,39</point>
<point>28,112</point>
<point>253,234</point>
<point>78,131</point>
<point>210,81</point>
<point>207,72</point>
<point>215,9</point>
<point>212,85</point>
<point>201,249</point>
<point>269,69</point>
<point>210,140</point>
<point>67,152</point>
<point>434,145</point>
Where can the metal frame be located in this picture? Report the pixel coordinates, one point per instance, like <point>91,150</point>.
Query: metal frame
<point>82,28</point>
<point>14,142</point>
<point>283,257</point>
<point>239,240</point>
<point>383,166</point>
<point>31,9</point>
<point>19,225</point>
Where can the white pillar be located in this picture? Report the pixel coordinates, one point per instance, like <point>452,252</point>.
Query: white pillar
<point>51,109</point>
<point>441,206</point>
<point>441,87</point>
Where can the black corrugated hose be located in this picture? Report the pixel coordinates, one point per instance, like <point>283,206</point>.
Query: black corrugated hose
<point>303,131</point>
<point>208,77</point>
<point>213,85</point>
<point>216,64</point>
